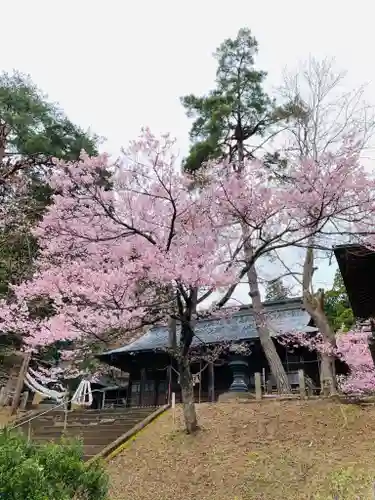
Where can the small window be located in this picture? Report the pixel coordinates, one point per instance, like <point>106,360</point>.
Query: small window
<point>136,387</point>
<point>162,386</point>
<point>293,358</point>
<point>149,386</point>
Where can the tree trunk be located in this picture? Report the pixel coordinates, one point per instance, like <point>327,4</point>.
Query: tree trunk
<point>187,391</point>
<point>327,368</point>
<point>266,341</point>
<point>314,305</point>
<point>20,382</point>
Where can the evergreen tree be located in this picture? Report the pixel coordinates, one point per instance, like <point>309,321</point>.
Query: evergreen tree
<point>238,109</point>
<point>337,305</point>
<point>33,131</point>
<point>236,112</point>
<point>276,290</point>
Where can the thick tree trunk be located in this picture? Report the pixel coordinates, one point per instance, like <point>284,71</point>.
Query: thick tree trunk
<point>268,346</point>
<point>187,391</point>
<point>327,368</point>
<point>266,341</point>
<point>314,305</point>
<point>20,382</point>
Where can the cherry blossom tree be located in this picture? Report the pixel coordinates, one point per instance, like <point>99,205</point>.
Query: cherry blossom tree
<point>325,116</point>
<point>319,203</point>
<point>144,247</point>
<point>351,347</point>
<point>117,257</point>
<point>336,197</point>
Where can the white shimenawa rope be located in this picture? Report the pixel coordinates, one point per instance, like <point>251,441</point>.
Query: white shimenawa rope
<point>83,394</point>
<point>34,385</point>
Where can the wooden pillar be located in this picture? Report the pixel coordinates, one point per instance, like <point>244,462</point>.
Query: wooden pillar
<point>142,388</point>
<point>169,384</point>
<point>156,387</point>
<point>24,399</point>
<point>302,384</point>
<point>9,386</point>
<point>258,385</point>
<point>200,381</point>
<point>211,382</point>
<point>3,396</point>
<point>129,393</point>
<point>20,382</point>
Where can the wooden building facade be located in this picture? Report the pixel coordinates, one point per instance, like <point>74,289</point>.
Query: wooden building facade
<point>153,375</point>
<point>357,268</point>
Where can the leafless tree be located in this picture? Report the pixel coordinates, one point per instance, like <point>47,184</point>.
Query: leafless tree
<point>324,111</point>
<point>325,115</point>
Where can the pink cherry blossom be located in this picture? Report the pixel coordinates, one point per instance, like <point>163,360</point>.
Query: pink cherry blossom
<point>129,243</point>
<point>113,259</point>
<point>351,347</point>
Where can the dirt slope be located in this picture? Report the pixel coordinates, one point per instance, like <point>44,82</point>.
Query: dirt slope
<point>270,450</point>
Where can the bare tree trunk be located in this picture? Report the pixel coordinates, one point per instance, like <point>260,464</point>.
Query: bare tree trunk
<point>187,391</point>
<point>327,368</point>
<point>20,382</point>
<point>314,305</point>
<point>266,341</point>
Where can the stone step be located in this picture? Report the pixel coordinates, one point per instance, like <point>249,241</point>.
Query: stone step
<point>96,429</point>
<point>84,420</point>
<point>139,411</point>
<point>104,418</point>
<point>104,411</point>
<point>101,441</point>
<point>92,417</point>
<point>82,429</point>
<point>86,430</point>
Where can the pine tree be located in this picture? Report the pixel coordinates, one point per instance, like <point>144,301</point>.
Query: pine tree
<point>32,132</point>
<point>238,109</point>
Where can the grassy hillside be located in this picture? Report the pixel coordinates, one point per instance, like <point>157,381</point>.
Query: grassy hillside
<point>250,451</point>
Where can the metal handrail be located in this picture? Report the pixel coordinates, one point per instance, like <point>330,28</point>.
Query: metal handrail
<point>64,403</point>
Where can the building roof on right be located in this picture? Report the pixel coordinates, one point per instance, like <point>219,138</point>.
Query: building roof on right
<point>357,267</point>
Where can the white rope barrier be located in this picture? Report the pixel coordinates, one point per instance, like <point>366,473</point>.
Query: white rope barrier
<point>34,389</point>
<point>83,395</point>
<point>34,385</point>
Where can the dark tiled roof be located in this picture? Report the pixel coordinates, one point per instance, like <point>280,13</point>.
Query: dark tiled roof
<point>285,316</point>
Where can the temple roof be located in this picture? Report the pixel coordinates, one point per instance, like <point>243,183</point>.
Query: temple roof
<point>284,316</point>
<point>357,267</point>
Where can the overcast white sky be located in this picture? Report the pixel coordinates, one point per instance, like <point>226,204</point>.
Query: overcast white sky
<point>115,66</point>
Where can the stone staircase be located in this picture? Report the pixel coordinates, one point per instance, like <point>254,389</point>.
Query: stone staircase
<point>96,428</point>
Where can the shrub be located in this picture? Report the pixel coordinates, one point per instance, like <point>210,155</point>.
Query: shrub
<point>47,471</point>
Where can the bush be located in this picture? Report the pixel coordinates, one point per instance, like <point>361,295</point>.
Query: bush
<point>30,471</point>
